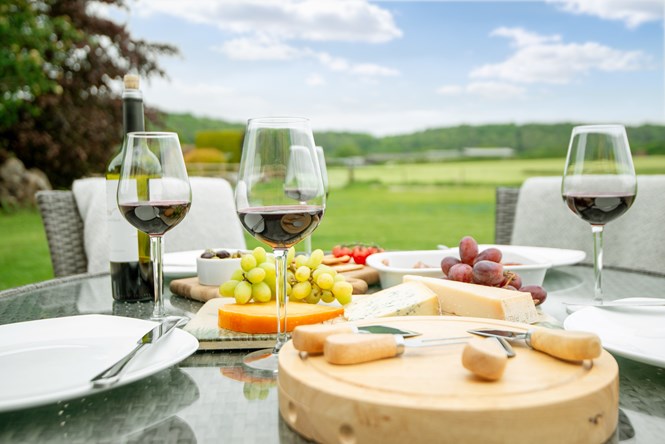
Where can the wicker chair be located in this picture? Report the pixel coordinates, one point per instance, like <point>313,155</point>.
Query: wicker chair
<point>64,232</point>
<point>506,204</point>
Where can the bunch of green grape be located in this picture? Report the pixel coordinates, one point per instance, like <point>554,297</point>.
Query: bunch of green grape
<point>308,280</point>
<point>311,281</point>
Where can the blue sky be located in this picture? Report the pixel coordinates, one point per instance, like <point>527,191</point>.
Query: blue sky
<point>387,67</point>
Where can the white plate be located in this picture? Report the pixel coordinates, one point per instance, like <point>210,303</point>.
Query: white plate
<point>183,263</point>
<point>54,359</point>
<point>557,257</point>
<point>636,333</point>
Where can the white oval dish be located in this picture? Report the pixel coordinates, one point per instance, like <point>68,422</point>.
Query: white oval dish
<point>393,265</point>
<point>216,271</point>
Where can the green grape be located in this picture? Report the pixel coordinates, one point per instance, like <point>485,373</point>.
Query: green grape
<point>290,255</point>
<point>291,277</point>
<point>259,254</point>
<point>227,288</point>
<point>343,291</point>
<point>315,296</point>
<point>238,275</point>
<point>301,260</point>
<point>301,290</point>
<point>325,281</point>
<point>261,292</point>
<point>270,258</point>
<point>327,296</point>
<point>256,275</point>
<point>243,292</point>
<point>302,273</point>
<point>247,262</point>
<point>339,278</point>
<point>321,269</point>
<point>289,289</point>
<point>315,259</point>
<point>269,269</point>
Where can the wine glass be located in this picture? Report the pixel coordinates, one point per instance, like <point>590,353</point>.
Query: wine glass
<point>324,177</point>
<point>599,183</point>
<point>280,201</point>
<point>154,194</point>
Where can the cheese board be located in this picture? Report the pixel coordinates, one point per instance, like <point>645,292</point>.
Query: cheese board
<point>426,395</point>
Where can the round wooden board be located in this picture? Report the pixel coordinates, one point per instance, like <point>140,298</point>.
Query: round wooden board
<point>426,395</point>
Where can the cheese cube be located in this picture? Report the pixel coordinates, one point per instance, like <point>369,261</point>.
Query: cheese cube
<point>407,299</point>
<point>462,299</point>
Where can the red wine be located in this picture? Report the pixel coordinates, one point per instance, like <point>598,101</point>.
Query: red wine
<point>281,226</point>
<point>155,218</point>
<point>599,209</point>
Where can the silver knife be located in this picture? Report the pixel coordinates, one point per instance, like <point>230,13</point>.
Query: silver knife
<point>310,338</point>
<point>112,374</point>
<point>651,302</point>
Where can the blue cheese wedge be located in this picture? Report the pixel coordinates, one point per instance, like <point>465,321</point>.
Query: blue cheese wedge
<point>462,299</point>
<point>407,299</point>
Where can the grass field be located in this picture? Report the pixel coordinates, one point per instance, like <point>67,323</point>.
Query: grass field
<point>410,206</point>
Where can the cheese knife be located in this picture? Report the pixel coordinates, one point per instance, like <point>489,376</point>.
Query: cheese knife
<point>562,344</point>
<point>310,338</point>
<point>351,348</point>
<point>112,374</point>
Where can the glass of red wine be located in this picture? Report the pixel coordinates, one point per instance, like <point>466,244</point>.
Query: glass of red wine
<point>154,194</point>
<point>280,200</point>
<point>599,183</point>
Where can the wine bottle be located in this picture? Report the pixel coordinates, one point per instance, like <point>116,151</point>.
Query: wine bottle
<point>131,268</point>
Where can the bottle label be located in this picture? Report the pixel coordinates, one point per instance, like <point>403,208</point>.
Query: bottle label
<point>123,237</point>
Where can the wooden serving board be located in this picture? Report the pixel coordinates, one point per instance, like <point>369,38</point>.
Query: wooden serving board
<point>426,395</point>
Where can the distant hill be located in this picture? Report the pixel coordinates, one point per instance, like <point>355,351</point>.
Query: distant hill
<point>528,140</point>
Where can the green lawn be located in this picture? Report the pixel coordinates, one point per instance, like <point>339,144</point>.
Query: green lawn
<point>410,206</point>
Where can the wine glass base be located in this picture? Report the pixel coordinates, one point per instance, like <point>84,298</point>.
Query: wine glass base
<point>264,361</point>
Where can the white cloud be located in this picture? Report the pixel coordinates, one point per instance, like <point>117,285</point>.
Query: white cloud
<point>267,48</point>
<point>632,12</point>
<point>314,20</point>
<point>486,90</point>
<point>315,80</point>
<point>545,59</point>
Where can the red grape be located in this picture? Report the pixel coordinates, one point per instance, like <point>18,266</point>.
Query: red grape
<point>538,293</point>
<point>511,278</point>
<point>468,250</point>
<point>487,273</point>
<point>460,273</point>
<point>490,254</point>
<point>448,262</point>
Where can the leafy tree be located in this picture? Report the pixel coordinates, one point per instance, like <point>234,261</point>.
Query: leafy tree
<point>59,111</point>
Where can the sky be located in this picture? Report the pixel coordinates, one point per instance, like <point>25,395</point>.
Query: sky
<point>394,67</point>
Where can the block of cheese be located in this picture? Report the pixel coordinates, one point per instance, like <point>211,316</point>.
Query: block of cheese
<point>462,299</point>
<point>262,317</point>
<point>407,299</point>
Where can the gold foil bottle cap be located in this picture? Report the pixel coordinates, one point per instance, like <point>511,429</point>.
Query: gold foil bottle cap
<point>131,81</point>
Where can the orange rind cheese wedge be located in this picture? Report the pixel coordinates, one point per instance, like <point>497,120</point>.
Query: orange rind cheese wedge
<point>259,318</point>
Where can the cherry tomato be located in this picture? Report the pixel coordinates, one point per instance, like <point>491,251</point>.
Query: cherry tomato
<point>359,254</point>
<point>341,250</point>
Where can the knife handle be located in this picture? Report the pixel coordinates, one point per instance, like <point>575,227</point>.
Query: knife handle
<point>348,348</point>
<point>568,345</point>
<point>310,338</point>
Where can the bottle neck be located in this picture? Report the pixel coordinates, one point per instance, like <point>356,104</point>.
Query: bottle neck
<point>132,111</point>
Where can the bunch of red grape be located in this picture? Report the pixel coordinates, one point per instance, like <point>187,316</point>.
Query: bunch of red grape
<point>485,268</point>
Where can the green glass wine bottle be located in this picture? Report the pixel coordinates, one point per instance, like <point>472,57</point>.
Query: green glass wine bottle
<point>131,268</point>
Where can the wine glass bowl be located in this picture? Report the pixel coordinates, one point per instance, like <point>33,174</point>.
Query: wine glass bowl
<point>599,182</point>
<point>280,200</point>
<point>154,194</point>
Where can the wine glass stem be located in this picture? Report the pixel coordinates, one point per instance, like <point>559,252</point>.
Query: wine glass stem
<point>597,231</point>
<point>308,245</point>
<point>156,244</point>
<point>280,297</point>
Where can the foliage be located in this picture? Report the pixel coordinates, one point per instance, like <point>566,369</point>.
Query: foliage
<point>60,112</point>
<point>188,125</point>
<point>228,141</point>
<point>205,155</point>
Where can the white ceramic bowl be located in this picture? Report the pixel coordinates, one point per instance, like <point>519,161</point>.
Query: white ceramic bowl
<point>216,271</point>
<point>393,265</point>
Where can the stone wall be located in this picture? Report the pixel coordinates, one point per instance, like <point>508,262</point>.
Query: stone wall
<point>18,185</point>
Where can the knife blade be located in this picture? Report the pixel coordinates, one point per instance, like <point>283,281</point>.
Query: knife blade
<point>310,338</point>
<point>351,348</point>
<point>562,344</point>
<point>112,374</point>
